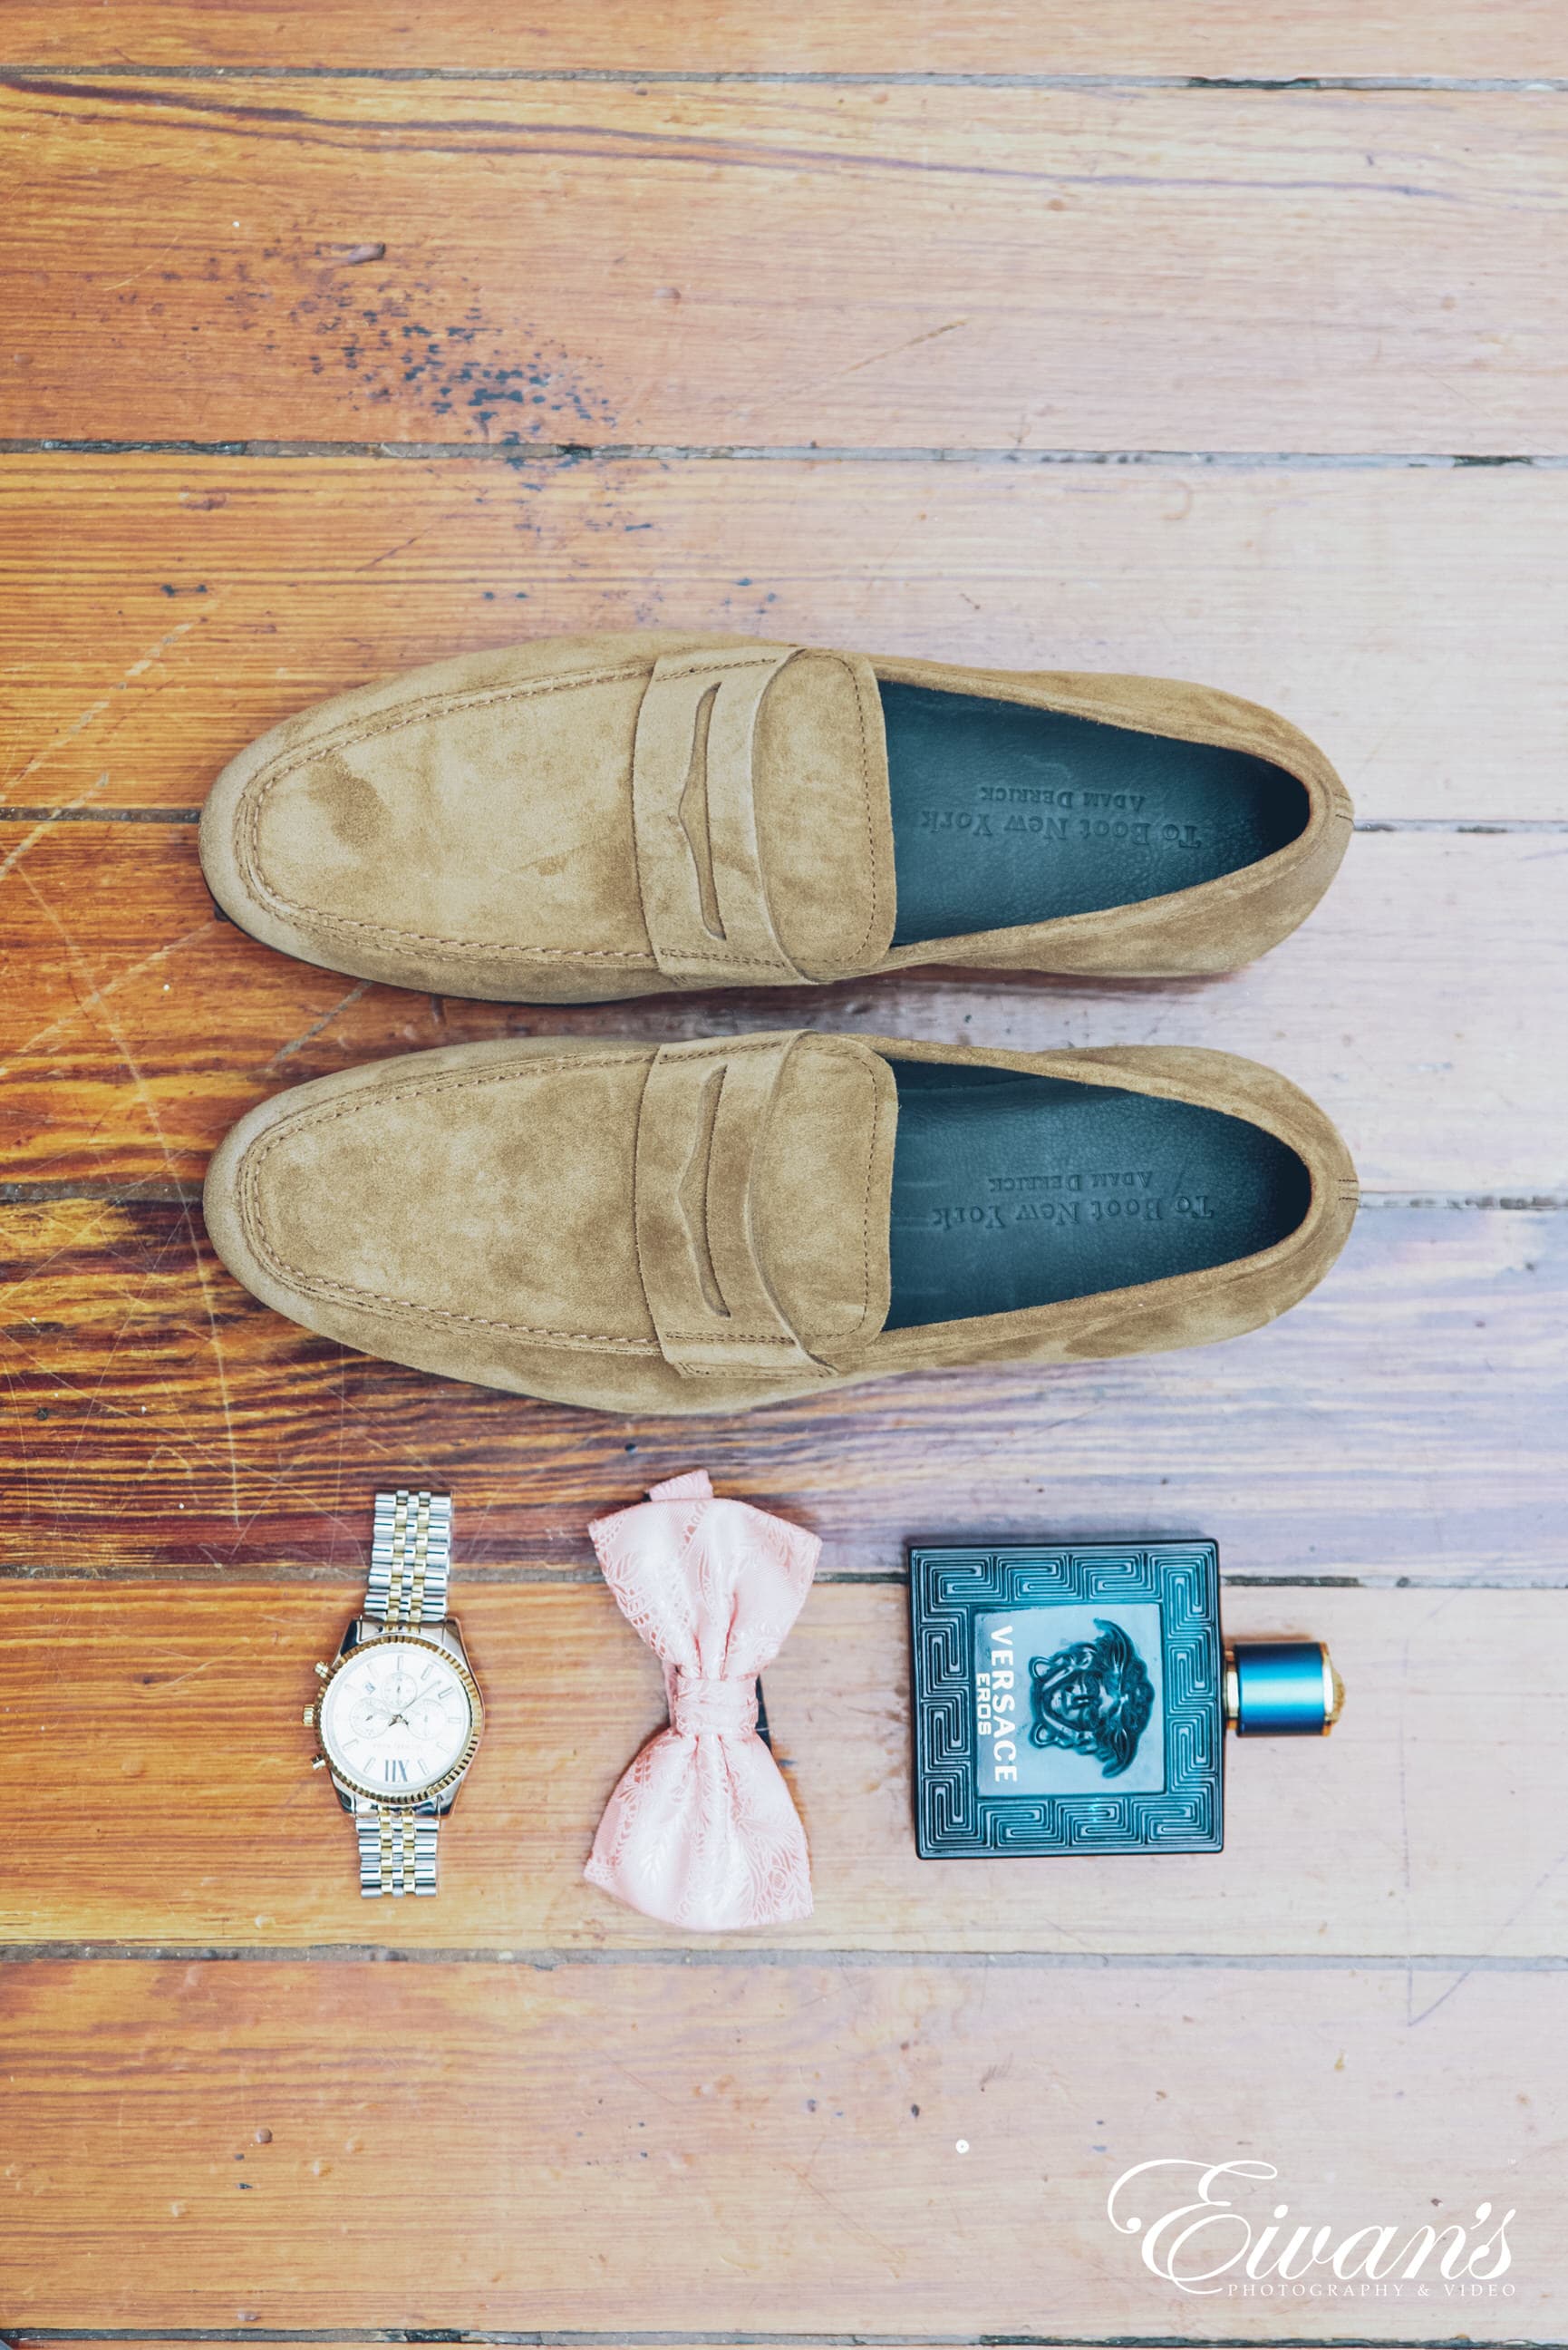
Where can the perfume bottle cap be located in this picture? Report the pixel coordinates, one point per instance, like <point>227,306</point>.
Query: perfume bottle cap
<point>1281,1688</point>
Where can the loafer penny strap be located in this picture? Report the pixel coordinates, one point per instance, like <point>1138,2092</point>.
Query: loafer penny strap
<point>705,900</point>
<point>699,1130</point>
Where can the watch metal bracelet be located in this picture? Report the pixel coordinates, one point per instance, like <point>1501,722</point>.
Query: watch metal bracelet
<point>410,1559</point>
<point>397,1851</point>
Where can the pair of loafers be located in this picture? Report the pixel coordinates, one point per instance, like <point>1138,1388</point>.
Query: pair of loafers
<point>707,1226</point>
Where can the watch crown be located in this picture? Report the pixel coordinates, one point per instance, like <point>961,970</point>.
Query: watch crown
<point>308,1716</point>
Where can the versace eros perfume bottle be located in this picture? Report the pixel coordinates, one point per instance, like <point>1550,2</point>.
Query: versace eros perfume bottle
<point>1075,1699</point>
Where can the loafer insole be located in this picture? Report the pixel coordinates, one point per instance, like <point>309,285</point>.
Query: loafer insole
<point>1012,1191</point>
<point>1003,814</point>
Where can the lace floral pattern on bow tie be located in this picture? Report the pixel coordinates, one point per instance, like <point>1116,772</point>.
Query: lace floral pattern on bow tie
<point>700,1832</point>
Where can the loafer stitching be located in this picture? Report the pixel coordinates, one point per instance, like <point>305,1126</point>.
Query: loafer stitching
<point>253,801</point>
<point>858,1324</point>
<point>252,806</point>
<point>309,1285</point>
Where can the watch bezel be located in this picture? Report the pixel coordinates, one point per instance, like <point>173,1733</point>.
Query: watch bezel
<point>418,1797</point>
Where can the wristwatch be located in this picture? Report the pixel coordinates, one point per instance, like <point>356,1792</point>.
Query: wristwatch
<point>398,1715</point>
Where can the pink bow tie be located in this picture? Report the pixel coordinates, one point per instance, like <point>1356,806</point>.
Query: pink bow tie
<point>701,1831</point>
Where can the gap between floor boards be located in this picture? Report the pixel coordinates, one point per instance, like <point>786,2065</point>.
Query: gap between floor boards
<point>552,1962</point>
<point>514,451</point>
<point>906,2339</point>
<point>213,1573</point>
<point>630,76</point>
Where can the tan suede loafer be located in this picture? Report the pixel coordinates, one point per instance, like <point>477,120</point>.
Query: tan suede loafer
<point>704,1227</point>
<point>598,817</point>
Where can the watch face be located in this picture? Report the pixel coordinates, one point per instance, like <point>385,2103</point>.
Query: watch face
<point>398,1718</point>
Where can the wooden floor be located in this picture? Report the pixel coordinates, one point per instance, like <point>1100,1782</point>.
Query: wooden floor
<point>1226,342</point>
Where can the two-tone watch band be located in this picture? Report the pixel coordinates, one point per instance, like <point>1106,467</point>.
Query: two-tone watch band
<point>397,1851</point>
<point>410,1560</point>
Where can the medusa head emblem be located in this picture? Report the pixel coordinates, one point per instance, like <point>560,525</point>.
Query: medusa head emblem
<point>1092,1697</point>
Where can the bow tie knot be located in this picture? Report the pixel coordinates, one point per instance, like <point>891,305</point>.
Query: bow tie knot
<point>701,1831</point>
<point>724,1709</point>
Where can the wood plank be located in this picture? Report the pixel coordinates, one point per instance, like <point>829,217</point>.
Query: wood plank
<point>791,2149</point>
<point>197,601</point>
<point>1403,1420</point>
<point>1271,39</point>
<point>137,1023</point>
<point>909,265</point>
<point>169,1802</point>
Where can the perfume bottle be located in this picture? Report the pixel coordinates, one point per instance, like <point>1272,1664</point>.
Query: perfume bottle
<point>1075,1699</point>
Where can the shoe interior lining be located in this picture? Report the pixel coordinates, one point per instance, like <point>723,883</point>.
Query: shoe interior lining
<point>1003,814</point>
<point>1013,1192</point>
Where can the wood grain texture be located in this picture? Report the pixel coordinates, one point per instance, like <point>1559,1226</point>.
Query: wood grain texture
<point>169,1799</point>
<point>196,602</point>
<point>769,2149</point>
<point>599,2132</point>
<point>1232,39</point>
<point>137,1024</point>
<point>870,265</point>
<point>1405,1419</point>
